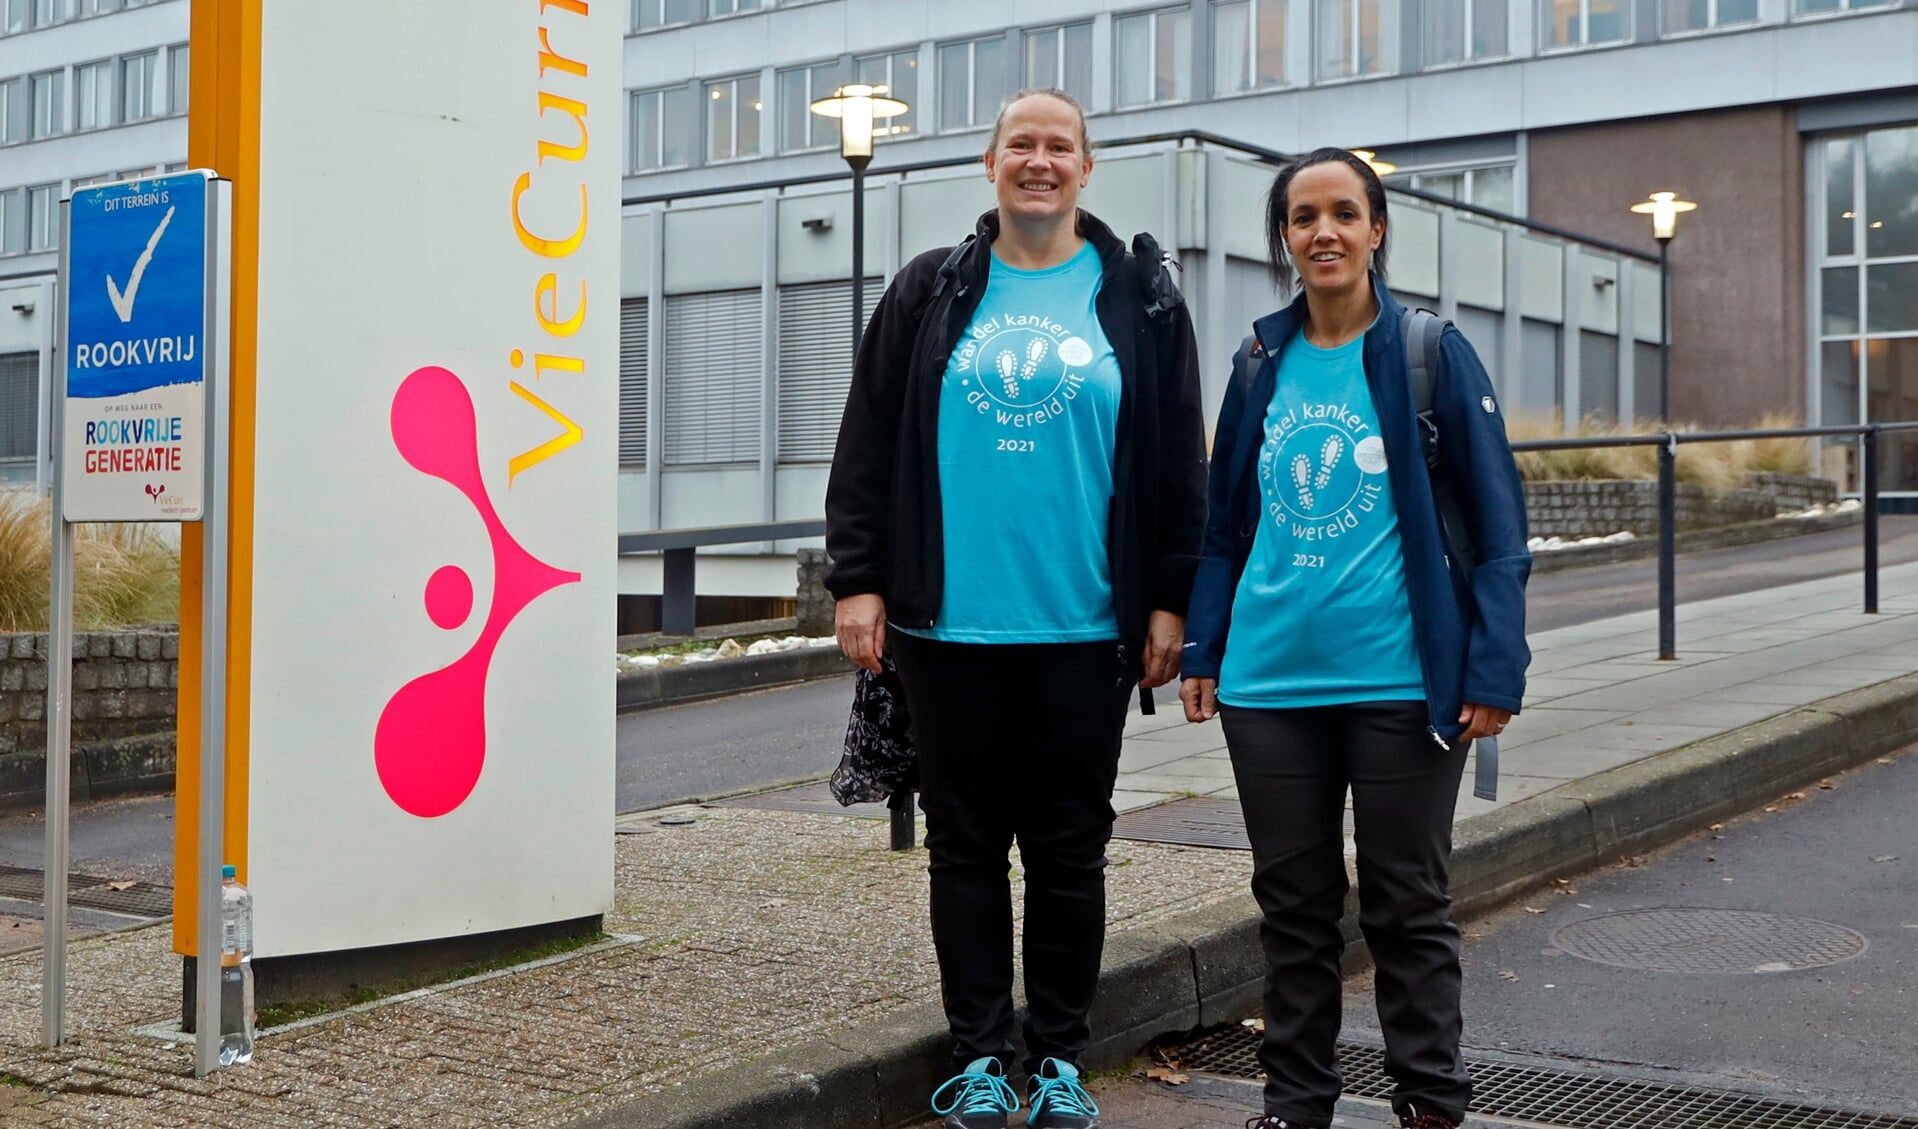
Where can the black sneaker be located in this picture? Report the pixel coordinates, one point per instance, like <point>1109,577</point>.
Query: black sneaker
<point>976,1098</point>
<point>1058,1100</point>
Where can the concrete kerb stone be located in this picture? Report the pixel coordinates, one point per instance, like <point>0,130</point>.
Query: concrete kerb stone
<point>648,687</point>
<point>1205,967</point>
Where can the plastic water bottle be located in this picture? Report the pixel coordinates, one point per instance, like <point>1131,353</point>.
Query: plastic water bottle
<point>236,970</point>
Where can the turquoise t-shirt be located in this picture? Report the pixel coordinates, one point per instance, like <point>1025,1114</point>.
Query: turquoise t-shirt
<point>1028,419</point>
<point>1321,615</point>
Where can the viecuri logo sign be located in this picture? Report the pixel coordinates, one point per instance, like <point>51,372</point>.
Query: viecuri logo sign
<point>135,364</point>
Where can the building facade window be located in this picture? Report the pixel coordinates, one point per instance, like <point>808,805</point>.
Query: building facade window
<point>1061,58</point>
<point>45,98</point>
<point>13,221</point>
<point>1248,46</point>
<point>1154,57</point>
<point>1460,30</point>
<point>1353,38</point>
<point>815,365</point>
<point>180,78</point>
<point>13,111</point>
<point>662,122</point>
<point>732,118</point>
<point>19,406</point>
<point>93,95</point>
<point>649,14</point>
<point>1583,23</point>
<point>730,7</point>
<point>43,228</point>
<point>1866,222</point>
<point>972,82</point>
<point>799,127</point>
<point>634,349</point>
<point>1698,15</point>
<point>713,378</point>
<point>141,96</point>
<point>98,7</point>
<point>1813,7</point>
<point>898,73</point>
<point>1489,187</point>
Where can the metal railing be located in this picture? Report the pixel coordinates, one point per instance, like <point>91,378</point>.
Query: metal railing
<point>1668,443</point>
<point>678,602</point>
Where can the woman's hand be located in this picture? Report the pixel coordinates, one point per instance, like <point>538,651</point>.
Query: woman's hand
<point>1482,721</point>
<point>860,624</point>
<point>1164,637</point>
<point>1201,698</point>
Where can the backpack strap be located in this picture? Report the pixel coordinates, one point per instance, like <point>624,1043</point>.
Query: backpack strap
<point>1421,331</point>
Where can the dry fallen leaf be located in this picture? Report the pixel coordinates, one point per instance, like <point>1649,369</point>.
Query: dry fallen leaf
<point>1256,1026</point>
<point>1886,858</point>
<point>1563,886</point>
<point>1882,760</point>
<point>1628,862</point>
<point>1529,909</point>
<point>1716,827</point>
<point>1169,1077</point>
<point>127,885</point>
<point>1711,858</point>
<point>1773,808</point>
<point>1794,795</point>
<point>1509,975</point>
<point>1826,785</point>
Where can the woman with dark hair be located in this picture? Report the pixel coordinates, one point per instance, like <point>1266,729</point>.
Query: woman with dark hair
<point>1013,517</point>
<point>1346,637</point>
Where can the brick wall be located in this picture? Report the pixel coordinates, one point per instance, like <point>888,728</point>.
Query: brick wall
<point>1596,509</point>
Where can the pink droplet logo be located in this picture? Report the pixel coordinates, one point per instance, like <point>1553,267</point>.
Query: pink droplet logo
<point>430,745</point>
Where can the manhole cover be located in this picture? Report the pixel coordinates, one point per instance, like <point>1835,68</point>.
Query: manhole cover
<point>1709,940</point>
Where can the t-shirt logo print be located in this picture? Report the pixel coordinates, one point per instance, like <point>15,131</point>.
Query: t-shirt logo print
<point>1025,368</point>
<point>1320,470</point>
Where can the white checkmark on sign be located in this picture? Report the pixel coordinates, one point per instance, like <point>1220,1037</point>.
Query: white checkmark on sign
<point>123,303</point>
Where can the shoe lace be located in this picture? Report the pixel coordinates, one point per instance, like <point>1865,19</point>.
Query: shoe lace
<point>975,1092</point>
<point>1062,1094</point>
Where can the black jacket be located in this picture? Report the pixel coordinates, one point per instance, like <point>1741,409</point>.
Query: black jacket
<point>884,524</point>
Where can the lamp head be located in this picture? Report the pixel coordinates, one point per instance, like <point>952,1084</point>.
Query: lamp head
<point>857,106</point>
<point>1664,207</point>
<point>1382,168</point>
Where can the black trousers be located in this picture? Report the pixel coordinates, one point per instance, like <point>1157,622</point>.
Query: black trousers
<point>1016,742</point>
<point>1293,768</point>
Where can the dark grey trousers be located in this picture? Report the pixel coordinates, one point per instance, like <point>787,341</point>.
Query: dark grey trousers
<point>1293,769</point>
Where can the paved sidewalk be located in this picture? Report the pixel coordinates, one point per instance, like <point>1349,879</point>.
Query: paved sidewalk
<point>752,931</point>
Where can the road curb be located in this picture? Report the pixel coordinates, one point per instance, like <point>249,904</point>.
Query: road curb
<point>649,687</point>
<point>1204,967</point>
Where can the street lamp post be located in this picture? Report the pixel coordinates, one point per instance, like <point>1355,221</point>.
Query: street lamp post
<point>1664,207</point>
<point>857,106</point>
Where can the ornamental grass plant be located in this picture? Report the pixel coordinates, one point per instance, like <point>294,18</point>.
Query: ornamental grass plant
<point>1715,466</point>
<point>123,574</point>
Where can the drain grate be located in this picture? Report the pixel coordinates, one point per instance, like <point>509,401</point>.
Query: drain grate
<point>1556,1097</point>
<point>1709,941</point>
<point>815,798</point>
<point>1201,821</point>
<point>141,899</point>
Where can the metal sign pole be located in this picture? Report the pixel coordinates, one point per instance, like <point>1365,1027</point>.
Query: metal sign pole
<point>213,587</point>
<point>53,969</point>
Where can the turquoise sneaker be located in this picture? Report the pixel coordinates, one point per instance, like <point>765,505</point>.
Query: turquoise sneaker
<point>1058,1100</point>
<point>976,1098</point>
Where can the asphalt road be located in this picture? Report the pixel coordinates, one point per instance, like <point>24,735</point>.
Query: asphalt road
<point>770,737</point>
<point>1845,1034</point>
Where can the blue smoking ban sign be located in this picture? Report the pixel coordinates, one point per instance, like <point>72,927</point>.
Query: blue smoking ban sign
<point>136,289</point>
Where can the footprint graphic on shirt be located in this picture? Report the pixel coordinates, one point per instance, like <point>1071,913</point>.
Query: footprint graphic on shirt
<point>1310,478</point>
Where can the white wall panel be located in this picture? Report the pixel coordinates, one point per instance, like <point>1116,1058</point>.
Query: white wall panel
<point>807,255</point>
<point>1479,264</point>
<point>1541,275</point>
<point>1597,288</point>
<point>714,248</point>
<point>1413,262</point>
